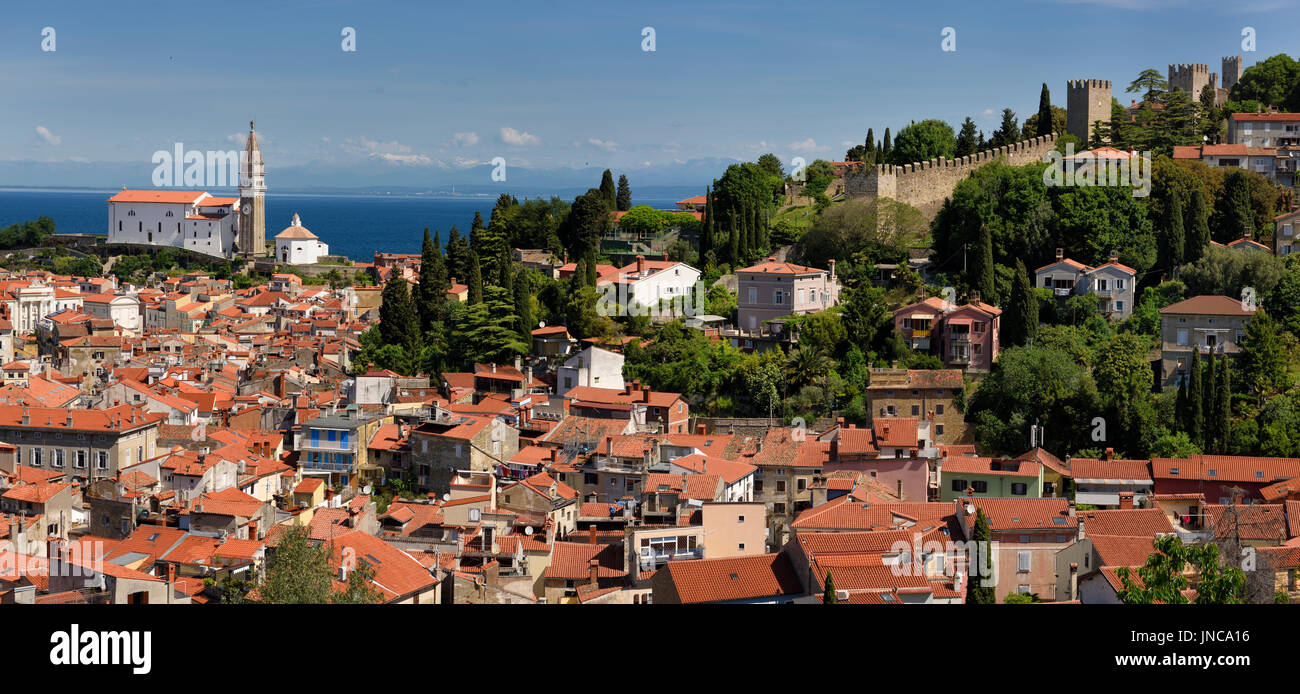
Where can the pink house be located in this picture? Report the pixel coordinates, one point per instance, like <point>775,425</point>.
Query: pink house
<point>964,337</point>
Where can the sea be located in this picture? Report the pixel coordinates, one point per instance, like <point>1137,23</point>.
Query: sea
<point>353,225</point>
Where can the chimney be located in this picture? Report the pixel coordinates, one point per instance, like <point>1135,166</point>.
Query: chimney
<point>593,571</point>
<point>1080,534</point>
<point>1246,235</point>
<point>832,268</point>
<point>699,429</point>
<point>591,535</point>
<point>171,572</point>
<point>645,391</point>
<point>1074,580</point>
<point>494,367</point>
<point>69,419</point>
<point>1125,500</point>
<point>1114,255</point>
<point>1060,254</point>
<point>27,416</point>
<point>640,265</point>
<point>609,446</point>
<point>839,421</point>
<point>1110,453</point>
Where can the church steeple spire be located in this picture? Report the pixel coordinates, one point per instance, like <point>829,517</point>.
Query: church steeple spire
<point>252,198</point>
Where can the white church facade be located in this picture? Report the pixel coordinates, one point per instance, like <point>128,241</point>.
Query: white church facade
<point>195,220</point>
<point>298,246</point>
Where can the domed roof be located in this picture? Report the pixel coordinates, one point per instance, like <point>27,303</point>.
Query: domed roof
<point>296,231</point>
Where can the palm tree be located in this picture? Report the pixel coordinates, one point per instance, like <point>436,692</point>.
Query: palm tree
<point>806,364</point>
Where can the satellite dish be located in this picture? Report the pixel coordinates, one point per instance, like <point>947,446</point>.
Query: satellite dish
<point>970,508</point>
<point>528,530</point>
<point>541,324</point>
<point>446,496</point>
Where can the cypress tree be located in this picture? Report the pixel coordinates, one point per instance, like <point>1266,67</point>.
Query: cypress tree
<point>524,307</point>
<point>1223,406</point>
<point>399,323</point>
<point>1022,323</point>
<point>607,190</point>
<point>1044,112</point>
<point>870,144</point>
<point>884,149</point>
<point>433,283</point>
<point>1198,228</point>
<point>475,279</point>
<point>733,252</point>
<point>1210,396</point>
<point>982,280</point>
<point>1175,234</point>
<point>457,255</point>
<point>981,535</point>
<point>624,197</point>
<point>1196,402</point>
<point>1181,412</point>
<point>828,596</point>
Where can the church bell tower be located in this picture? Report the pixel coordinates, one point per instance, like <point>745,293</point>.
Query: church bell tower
<point>252,200</point>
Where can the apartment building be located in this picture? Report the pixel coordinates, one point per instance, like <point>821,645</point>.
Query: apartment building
<point>87,445</point>
<point>1208,324</point>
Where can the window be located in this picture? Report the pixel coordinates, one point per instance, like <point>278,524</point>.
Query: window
<point>938,430</point>
<point>980,486</point>
<point>1019,488</point>
<point>938,409</point>
<point>139,453</point>
<point>101,460</point>
<point>1119,305</point>
<point>801,484</point>
<point>57,458</point>
<point>589,478</point>
<point>740,519</point>
<point>778,509</point>
<point>758,486</point>
<point>1102,285</point>
<point>1022,559</point>
<point>1119,285</point>
<point>753,295</point>
<point>1023,589</point>
<point>959,485</point>
<point>740,546</point>
<point>1182,336</point>
<point>36,457</point>
<point>780,485</point>
<point>315,437</point>
<point>329,435</point>
<point>916,410</point>
<point>79,459</point>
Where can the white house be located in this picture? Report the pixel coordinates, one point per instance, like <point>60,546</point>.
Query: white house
<point>648,282</point>
<point>593,367</point>
<point>190,219</point>
<point>123,310</point>
<point>297,246</point>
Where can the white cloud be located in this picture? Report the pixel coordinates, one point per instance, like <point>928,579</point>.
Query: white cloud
<point>236,138</point>
<point>988,112</point>
<point>514,137</point>
<point>465,163</point>
<point>48,136</point>
<point>809,145</point>
<point>607,145</point>
<point>465,139</point>
<point>393,151</point>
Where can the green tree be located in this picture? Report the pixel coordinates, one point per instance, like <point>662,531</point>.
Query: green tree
<point>771,164</point>
<point>923,141</point>
<point>433,283</point>
<point>297,572</point>
<point>1196,401</point>
<point>1021,322</point>
<point>1045,116</point>
<point>982,269</point>
<point>829,596</point>
<point>399,322</point>
<point>360,587</point>
<point>1172,240</point>
<point>624,197</point>
<point>608,192</point>
<point>967,139</point>
<point>1198,232</point>
<point>981,535</point>
<point>1235,212</point>
<point>1262,361</point>
<point>475,279</point>
<point>1150,84</point>
<point>1162,578</point>
<point>1008,133</point>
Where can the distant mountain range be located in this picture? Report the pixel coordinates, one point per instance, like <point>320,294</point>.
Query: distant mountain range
<point>379,177</point>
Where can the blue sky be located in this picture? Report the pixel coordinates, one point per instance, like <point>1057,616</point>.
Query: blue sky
<point>437,89</point>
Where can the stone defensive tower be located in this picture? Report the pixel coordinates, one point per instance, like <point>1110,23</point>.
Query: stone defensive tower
<point>1087,101</point>
<point>1231,71</point>
<point>1192,78</point>
<point>252,200</point>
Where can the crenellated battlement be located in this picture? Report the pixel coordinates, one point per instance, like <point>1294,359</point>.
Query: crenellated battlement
<point>1088,84</point>
<point>925,184</point>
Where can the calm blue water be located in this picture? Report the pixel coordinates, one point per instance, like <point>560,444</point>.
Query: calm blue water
<point>356,226</point>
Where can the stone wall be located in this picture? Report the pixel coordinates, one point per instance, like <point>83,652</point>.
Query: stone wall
<point>925,185</point>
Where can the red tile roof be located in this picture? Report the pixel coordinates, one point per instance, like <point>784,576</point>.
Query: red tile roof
<point>739,578</point>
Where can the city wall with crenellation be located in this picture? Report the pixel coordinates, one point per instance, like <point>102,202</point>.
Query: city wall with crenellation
<point>924,185</point>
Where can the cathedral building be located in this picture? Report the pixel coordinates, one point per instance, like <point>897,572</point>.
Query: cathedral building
<point>195,220</point>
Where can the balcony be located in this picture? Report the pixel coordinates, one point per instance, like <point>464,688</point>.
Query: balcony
<point>1061,291</point>
<point>1207,349</point>
<point>651,561</point>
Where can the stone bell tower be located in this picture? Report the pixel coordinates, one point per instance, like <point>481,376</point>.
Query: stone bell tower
<point>252,199</point>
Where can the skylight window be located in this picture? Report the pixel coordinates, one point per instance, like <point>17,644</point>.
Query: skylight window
<point>1173,471</point>
<point>1213,472</point>
<point>735,577</point>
